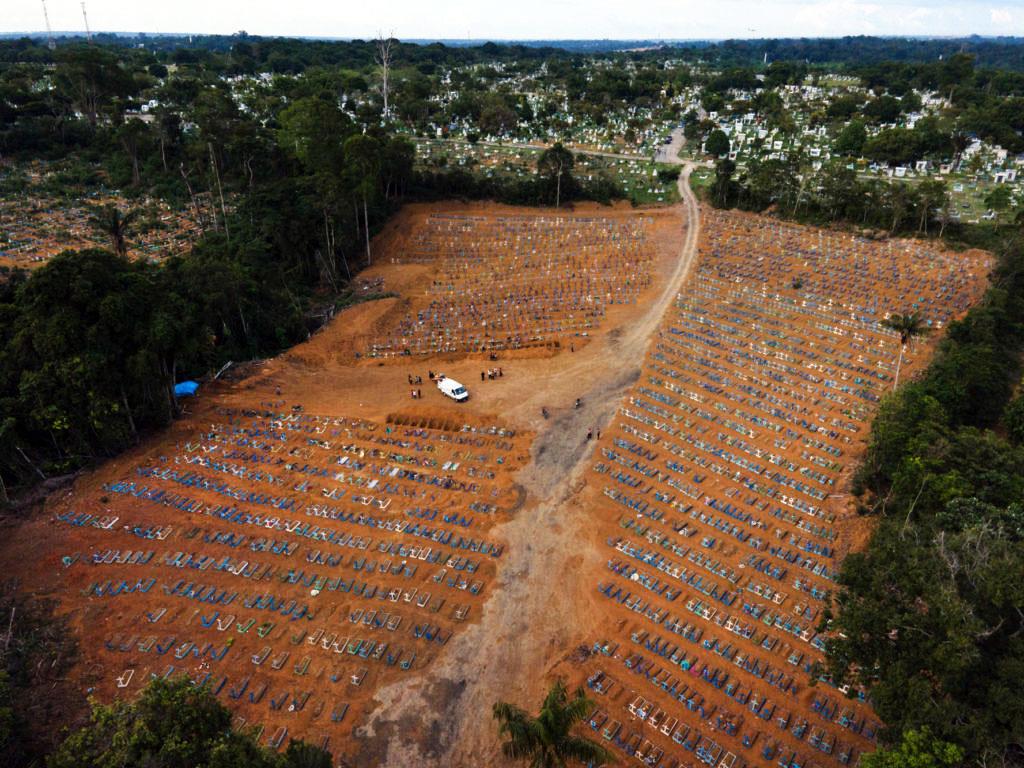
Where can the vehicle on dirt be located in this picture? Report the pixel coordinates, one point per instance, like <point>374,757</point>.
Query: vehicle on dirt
<point>452,389</point>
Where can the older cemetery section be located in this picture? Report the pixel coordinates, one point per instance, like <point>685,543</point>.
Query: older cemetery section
<point>635,174</point>
<point>718,497</point>
<point>37,223</point>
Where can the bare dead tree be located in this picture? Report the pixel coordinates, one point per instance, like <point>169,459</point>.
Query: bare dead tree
<point>220,190</point>
<point>10,631</point>
<point>192,195</point>
<point>383,58</point>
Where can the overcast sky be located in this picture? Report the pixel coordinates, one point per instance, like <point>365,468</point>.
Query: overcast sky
<point>529,19</point>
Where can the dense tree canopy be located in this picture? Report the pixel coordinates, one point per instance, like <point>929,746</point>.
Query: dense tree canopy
<point>929,615</point>
<point>283,142</point>
<point>173,724</point>
<point>92,344</point>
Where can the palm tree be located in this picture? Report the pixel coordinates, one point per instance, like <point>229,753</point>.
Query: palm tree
<point>907,326</point>
<point>109,221</point>
<point>547,741</point>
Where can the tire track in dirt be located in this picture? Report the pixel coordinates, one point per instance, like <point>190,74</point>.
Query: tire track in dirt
<point>443,715</point>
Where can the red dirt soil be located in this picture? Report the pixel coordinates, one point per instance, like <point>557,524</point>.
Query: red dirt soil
<point>315,473</point>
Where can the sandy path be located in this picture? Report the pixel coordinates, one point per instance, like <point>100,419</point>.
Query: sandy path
<point>529,622</point>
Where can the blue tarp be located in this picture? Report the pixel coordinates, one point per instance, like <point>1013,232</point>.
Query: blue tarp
<point>185,388</point>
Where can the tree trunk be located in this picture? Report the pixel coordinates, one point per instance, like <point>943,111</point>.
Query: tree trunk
<point>192,195</point>
<point>344,258</point>
<point>245,325</point>
<point>170,390</point>
<point>128,412</point>
<point>331,259</point>
<point>29,461</point>
<point>220,190</point>
<point>799,194</point>
<point>366,227</point>
<point>558,188</point>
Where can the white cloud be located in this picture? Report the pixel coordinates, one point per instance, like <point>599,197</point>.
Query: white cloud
<point>1001,16</point>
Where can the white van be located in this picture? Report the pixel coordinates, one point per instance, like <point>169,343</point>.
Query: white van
<point>452,389</point>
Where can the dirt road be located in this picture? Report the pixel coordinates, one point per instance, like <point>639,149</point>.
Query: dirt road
<point>443,716</point>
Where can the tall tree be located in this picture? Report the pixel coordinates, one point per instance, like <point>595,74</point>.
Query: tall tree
<point>851,139</point>
<point>131,135</point>
<point>92,77</point>
<point>933,200</point>
<point>717,143</point>
<point>554,163</point>
<point>362,157</point>
<point>384,51</point>
<point>723,185</point>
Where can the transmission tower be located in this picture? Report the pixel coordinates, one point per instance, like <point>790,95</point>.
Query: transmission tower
<point>85,18</point>
<point>49,32</point>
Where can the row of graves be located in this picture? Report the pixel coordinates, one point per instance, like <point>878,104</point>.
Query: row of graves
<point>504,283</point>
<point>293,563</point>
<point>637,176</point>
<point>981,169</point>
<point>627,129</point>
<point>714,494</point>
<point>35,228</point>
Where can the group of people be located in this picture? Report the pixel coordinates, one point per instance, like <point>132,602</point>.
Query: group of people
<point>416,393</point>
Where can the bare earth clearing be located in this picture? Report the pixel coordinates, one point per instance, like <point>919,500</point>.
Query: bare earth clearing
<point>347,564</point>
<point>526,625</point>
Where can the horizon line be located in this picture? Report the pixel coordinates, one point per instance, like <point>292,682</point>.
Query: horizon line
<point>339,38</point>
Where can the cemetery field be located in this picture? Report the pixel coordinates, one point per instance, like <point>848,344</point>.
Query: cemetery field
<point>344,561</point>
<point>35,226</point>
<point>970,201</point>
<point>309,534</point>
<point>718,499</point>
<point>635,174</point>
